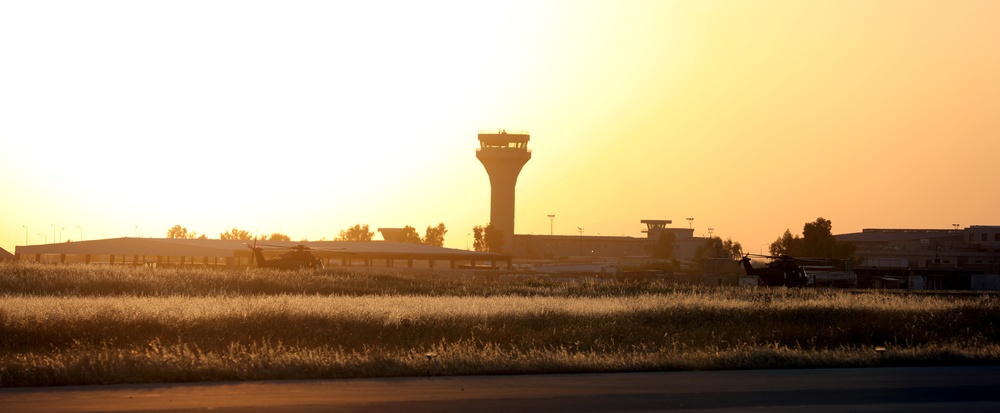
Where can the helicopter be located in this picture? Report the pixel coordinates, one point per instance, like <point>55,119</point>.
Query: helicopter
<point>298,257</point>
<point>781,271</point>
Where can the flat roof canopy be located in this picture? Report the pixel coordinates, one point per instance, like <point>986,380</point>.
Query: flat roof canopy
<point>234,248</point>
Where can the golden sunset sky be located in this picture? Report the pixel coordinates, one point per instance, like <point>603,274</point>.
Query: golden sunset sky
<point>125,118</point>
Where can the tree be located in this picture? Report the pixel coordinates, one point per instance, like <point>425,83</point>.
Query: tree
<point>817,240</point>
<point>733,248</point>
<point>356,233</point>
<point>786,244</point>
<point>487,238</point>
<point>278,237</point>
<point>236,234</point>
<point>435,235</point>
<point>410,235</point>
<point>179,232</point>
<point>478,242</point>
<point>715,247</point>
<point>494,239</point>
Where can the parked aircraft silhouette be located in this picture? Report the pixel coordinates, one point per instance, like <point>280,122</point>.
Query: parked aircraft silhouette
<point>781,271</point>
<point>296,258</point>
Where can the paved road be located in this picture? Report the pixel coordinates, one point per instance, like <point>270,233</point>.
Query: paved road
<point>940,389</point>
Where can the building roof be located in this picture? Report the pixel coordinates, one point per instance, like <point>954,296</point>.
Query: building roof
<point>580,238</point>
<point>896,235</point>
<point>232,248</point>
<point>5,255</point>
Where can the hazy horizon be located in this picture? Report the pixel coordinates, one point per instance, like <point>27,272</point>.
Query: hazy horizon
<point>127,118</point>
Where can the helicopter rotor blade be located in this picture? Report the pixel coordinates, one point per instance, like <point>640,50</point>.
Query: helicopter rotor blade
<point>273,246</point>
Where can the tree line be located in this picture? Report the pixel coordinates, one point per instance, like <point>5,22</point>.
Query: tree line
<point>486,238</point>
<point>179,232</point>
<point>434,235</point>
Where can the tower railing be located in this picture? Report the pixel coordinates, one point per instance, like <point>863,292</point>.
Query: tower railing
<point>522,150</point>
<point>503,132</point>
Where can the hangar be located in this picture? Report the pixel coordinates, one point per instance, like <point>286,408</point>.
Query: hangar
<point>168,252</point>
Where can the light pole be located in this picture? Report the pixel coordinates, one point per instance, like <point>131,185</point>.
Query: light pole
<point>60,233</point>
<point>467,241</point>
<point>710,230</point>
<point>25,234</point>
<point>81,232</point>
<point>690,223</point>
<point>53,234</point>
<point>44,236</point>
<point>552,224</point>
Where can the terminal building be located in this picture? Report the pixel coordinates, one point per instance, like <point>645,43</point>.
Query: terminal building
<point>938,259</point>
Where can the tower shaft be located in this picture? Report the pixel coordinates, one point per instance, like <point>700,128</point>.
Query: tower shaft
<point>503,155</point>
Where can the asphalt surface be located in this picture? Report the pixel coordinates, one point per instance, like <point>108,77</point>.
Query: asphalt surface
<point>918,389</point>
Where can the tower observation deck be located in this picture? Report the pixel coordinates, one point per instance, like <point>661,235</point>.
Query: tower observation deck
<point>503,154</point>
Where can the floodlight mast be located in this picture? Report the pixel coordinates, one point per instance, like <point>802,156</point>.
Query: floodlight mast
<point>503,155</point>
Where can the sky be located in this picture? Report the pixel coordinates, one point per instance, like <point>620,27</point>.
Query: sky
<point>125,118</point>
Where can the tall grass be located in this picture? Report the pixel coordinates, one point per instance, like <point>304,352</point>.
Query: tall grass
<point>78,280</point>
<point>85,325</point>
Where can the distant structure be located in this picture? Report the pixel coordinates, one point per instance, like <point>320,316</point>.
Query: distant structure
<point>927,259</point>
<point>503,155</point>
<point>393,234</point>
<point>655,227</point>
<point>686,245</point>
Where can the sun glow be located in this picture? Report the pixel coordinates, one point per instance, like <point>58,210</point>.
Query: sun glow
<point>310,117</point>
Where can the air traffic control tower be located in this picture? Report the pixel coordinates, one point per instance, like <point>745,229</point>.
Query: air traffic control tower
<point>503,154</point>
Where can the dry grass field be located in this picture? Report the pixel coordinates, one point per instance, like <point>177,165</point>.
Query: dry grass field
<point>71,325</point>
